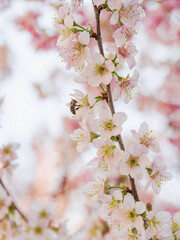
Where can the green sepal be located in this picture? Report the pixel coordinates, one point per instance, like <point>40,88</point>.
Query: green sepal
<point>114,139</point>
<point>149,171</point>
<point>94,135</point>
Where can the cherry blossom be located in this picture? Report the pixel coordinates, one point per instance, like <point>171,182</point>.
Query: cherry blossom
<point>125,53</point>
<point>96,188</point>
<point>74,50</point>
<point>159,225</point>
<point>127,12</point>
<point>134,161</point>
<point>126,87</point>
<point>122,35</point>
<point>97,71</point>
<point>83,104</point>
<point>109,125</point>
<point>128,213</point>
<point>143,136</point>
<point>158,177</point>
<point>41,213</point>
<point>176,225</point>
<point>82,136</point>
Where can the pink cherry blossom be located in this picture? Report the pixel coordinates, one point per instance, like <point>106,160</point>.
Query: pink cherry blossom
<point>125,53</point>
<point>122,35</point>
<point>126,88</point>
<point>74,50</point>
<point>128,12</point>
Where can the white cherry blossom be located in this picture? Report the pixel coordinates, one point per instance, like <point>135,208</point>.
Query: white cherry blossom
<point>144,136</point>
<point>134,161</point>
<point>82,136</point>
<point>83,104</point>
<point>97,71</point>
<point>109,125</point>
<point>158,176</point>
<point>128,213</point>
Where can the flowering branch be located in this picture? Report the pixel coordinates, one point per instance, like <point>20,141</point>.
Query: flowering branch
<point>110,102</point>
<point>14,204</point>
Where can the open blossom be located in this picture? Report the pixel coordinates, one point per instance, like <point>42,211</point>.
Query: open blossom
<point>82,136</point>
<point>125,53</point>
<point>111,203</point>
<point>109,125</point>
<point>134,161</point>
<point>74,50</point>
<point>158,177</point>
<point>176,225</point>
<point>41,213</point>
<point>127,215</point>
<point>126,87</point>
<point>64,23</point>
<point>144,137</point>
<point>8,154</point>
<point>128,12</point>
<point>159,225</point>
<point>106,149</point>
<point>108,156</point>
<point>82,104</point>
<point>96,188</point>
<point>123,35</point>
<point>97,71</point>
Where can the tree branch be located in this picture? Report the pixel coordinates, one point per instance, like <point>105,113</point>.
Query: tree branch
<point>110,102</point>
<point>14,204</point>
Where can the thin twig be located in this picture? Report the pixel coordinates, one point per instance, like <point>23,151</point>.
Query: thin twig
<point>110,102</point>
<point>14,204</point>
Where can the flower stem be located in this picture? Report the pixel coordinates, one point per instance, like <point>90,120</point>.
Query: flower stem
<point>110,101</point>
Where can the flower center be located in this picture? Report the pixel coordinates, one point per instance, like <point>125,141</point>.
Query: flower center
<point>43,214</point>
<point>175,227</point>
<point>132,161</point>
<point>7,150</point>
<point>84,101</point>
<point>81,138</point>
<point>37,230</point>
<point>146,139</point>
<point>100,69</point>
<point>109,125</point>
<point>107,151</point>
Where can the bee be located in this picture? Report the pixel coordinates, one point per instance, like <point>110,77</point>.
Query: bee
<point>74,106</point>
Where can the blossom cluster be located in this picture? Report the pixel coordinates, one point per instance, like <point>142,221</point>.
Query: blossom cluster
<point>126,216</point>
<point>121,213</point>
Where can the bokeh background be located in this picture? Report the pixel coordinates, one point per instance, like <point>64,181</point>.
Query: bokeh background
<point>35,88</point>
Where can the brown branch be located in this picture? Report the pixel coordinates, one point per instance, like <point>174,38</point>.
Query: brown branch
<point>14,204</point>
<point>110,102</point>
